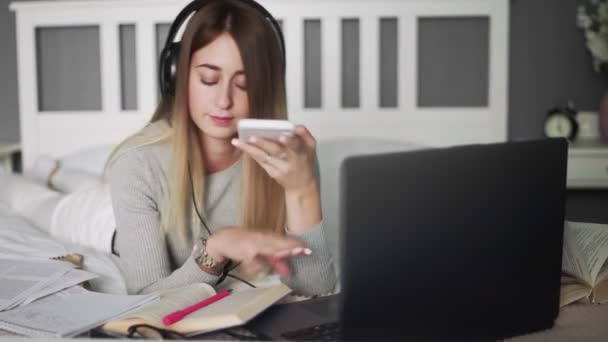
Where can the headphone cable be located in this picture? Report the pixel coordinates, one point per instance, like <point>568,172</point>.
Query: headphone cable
<point>200,217</point>
<point>228,267</point>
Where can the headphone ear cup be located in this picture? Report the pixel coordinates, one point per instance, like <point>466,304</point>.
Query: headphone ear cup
<point>168,69</point>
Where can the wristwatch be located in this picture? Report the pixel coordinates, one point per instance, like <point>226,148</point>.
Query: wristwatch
<point>204,261</point>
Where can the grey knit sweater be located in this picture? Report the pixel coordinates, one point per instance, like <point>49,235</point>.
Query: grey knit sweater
<point>151,260</point>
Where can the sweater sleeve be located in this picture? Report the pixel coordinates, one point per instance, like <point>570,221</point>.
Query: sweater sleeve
<point>140,241</point>
<point>312,274</point>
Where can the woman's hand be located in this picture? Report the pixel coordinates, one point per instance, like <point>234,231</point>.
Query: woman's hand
<point>290,161</point>
<point>254,250</point>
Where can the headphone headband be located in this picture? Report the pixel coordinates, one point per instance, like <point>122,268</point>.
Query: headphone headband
<point>170,52</point>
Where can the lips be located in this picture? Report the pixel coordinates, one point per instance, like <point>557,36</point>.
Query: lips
<point>221,120</point>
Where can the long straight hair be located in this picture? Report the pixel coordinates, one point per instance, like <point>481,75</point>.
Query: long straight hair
<point>262,199</point>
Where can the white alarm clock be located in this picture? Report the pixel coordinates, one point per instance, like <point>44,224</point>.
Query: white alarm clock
<point>561,123</point>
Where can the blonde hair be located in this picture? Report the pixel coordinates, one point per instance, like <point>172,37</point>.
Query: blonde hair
<point>262,200</point>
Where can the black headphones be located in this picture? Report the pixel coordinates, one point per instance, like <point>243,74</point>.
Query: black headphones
<point>169,54</point>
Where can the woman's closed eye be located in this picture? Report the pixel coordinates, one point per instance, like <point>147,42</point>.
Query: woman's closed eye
<point>240,82</point>
<point>211,82</point>
<point>208,81</point>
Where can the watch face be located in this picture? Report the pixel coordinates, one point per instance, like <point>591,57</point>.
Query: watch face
<point>558,126</point>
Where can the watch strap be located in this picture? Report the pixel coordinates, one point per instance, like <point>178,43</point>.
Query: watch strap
<point>204,261</point>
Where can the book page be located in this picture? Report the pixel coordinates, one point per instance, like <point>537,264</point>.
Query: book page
<point>585,250</point>
<point>603,274</point>
<point>170,300</point>
<point>237,308</point>
<point>600,292</point>
<point>571,293</point>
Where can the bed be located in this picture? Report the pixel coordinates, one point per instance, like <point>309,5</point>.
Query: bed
<point>360,76</point>
<point>19,236</point>
<point>368,103</point>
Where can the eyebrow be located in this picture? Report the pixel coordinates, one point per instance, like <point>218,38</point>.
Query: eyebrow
<point>217,68</point>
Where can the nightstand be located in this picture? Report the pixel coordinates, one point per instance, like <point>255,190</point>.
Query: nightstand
<point>588,165</point>
<point>6,156</point>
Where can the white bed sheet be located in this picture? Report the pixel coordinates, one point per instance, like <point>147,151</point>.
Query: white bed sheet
<point>20,237</point>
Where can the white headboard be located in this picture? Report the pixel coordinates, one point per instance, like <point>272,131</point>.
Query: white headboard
<point>58,133</point>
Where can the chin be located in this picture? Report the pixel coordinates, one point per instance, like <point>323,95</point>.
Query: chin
<point>221,133</point>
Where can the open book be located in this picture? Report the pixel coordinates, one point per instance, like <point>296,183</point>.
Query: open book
<point>585,263</point>
<point>234,310</point>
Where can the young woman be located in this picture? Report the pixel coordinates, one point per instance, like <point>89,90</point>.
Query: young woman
<point>190,198</point>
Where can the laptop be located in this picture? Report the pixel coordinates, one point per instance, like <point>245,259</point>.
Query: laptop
<point>461,242</point>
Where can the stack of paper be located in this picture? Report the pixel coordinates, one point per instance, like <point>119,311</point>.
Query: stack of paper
<point>23,278</point>
<point>70,312</point>
<point>39,297</point>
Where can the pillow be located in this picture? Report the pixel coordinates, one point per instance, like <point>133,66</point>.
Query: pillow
<point>85,218</point>
<point>43,166</point>
<point>91,160</point>
<point>72,172</point>
<point>34,201</point>
<point>71,180</point>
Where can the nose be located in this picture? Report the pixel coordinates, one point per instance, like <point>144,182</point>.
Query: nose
<point>224,96</point>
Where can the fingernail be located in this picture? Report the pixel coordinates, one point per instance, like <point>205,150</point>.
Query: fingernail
<point>235,141</point>
<point>301,251</point>
<point>252,139</point>
<point>283,139</point>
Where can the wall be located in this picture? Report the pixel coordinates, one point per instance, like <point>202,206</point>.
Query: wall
<point>549,66</point>
<point>9,105</point>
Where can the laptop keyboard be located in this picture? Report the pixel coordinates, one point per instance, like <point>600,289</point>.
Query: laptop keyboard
<point>321,332</point>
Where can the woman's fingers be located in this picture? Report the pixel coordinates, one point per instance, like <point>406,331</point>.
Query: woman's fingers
<point>274,245</point>
<point>306,136</point>
<point>271,164</point>
<point>259,146</point>
<point>258,153</point>
<point>254,266</point>
<point>258,251</point>
<point>280,266</point>
<point>272,147</point>
<point>279,260</point>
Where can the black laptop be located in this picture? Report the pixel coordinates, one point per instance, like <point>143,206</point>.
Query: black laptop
<point>461,242</point>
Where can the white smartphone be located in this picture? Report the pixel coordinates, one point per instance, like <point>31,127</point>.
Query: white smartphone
<point>265,128</point>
